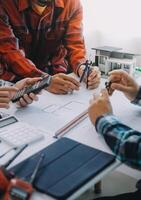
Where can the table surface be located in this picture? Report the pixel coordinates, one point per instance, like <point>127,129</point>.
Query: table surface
<point>50,108</point>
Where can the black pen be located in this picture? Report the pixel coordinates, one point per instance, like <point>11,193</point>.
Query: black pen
<point>88,73</point>
<point>85,70</point>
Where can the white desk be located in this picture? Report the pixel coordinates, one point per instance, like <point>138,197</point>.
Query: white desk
<point>84,132</point>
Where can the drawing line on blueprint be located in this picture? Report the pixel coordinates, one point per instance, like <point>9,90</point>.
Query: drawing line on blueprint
<point>69,106</point>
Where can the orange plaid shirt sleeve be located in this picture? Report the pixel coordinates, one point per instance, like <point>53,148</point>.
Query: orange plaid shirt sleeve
<point>73,38</point>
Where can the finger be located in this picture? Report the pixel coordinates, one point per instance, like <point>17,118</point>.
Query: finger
<point>71,86</point>
<point>65,89</point>
<point>120,87</point>
<point>117,72</point>
<point>118,75</point>
<point>40,92</point>
<point>94,86</point>
<point>59,88</point>
<point>5,94</point>
<point>92,75</point>
<point>33,97</point>
<point>95,96</point>
<point>95,71</point>
<point>97,76</point>
<point>63,92</point>
<point>56,86</point>
<point>22,102</point>
<point>85,79</point>
<point>58,81</point>
<point>65,85</point>
<point>4,105</point>
<point>59,85</point>
<point>9,89</point>
<point>5,100</point>
<point>94,81</point>
<point>70,79</point>
<point>114,78</point>
<point>59,91</point>
<point>105,93</point>
<point>68,87</point>
<point>110,91</point>
<point>27,99</point>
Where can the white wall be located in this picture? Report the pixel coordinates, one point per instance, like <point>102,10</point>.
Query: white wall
<point>113,22</point>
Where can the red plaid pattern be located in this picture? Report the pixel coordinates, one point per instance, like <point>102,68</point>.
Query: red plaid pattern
<point>31,44</point>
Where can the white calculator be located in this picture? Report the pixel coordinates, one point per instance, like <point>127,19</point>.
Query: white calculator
<point>17,133</point>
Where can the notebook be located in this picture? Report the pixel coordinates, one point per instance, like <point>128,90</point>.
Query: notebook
<point>66,167</point>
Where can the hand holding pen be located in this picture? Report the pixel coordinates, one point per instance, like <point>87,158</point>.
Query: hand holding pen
<point>90,75</point>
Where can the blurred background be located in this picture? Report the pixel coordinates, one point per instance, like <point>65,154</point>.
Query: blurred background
<point>113,23</point>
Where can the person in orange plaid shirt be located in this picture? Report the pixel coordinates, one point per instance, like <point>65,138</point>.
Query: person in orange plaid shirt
<point>40,37</point>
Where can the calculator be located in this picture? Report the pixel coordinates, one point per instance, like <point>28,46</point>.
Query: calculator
<point>15,133</point>
<point>35,88</point>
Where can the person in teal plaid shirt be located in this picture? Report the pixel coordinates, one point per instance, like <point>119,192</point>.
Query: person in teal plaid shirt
<point>124,141</point>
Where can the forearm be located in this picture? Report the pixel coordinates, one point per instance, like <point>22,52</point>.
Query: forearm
<point>21,66</point>
<point>123,141</point>
<point>15,59</point>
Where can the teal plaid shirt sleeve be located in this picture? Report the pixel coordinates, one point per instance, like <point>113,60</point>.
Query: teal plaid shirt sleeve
<point>123,141</point>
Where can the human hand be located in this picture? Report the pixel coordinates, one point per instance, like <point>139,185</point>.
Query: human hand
<point>99,106</point>
<point>27,98</point>
<point>6,94</point>
<point>94,77</point>
<point>62,84</point>
<point>122,81</point>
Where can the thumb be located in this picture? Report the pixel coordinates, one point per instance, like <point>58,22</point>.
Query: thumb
<point>12,91</point>
<point>33,80</point>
